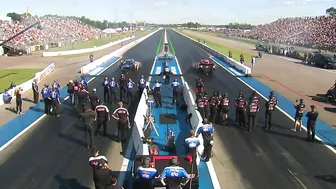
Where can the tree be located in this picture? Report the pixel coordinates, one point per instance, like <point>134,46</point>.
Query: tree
<point>331,11</point>
<point>14,16</point>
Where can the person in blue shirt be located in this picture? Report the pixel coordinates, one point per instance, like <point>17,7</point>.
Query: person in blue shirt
<point>130,86</point>
<point>113,89</point>
<point>191,143</point>
<point>145,175</point>
<point>7,98</point>
<point>207,131</point>
<point>35,91</point>
<point>46,98</point>
<point>141,84</point>
<point>56,86</point>
<point>84,84</point>
<point>175,86</point>
<point>55,102</point>
<point>157,94</point>
<point>106,90</point>
<point>174,175</point>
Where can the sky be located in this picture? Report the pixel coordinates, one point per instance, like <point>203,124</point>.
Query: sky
<point>173,11</point>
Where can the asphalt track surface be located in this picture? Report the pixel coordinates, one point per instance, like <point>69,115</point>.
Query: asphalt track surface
<point>276,159</point>
<point>52,154</point>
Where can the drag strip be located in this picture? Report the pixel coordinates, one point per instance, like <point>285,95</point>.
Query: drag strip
<point>276,159</point>
<point>53,155</point>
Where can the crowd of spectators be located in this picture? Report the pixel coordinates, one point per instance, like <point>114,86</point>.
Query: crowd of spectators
<point>316,32</point>
<point>52,29</point>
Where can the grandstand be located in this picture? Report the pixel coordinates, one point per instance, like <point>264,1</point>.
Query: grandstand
<point>315,32</point>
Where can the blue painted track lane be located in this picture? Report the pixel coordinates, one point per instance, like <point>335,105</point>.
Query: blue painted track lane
<point>15,126</point>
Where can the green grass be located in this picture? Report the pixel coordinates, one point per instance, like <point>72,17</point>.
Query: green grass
<point>224,49</point>
<point>159,45</point>
<point>171,46</point>
<point>95,42</point>
<point>18,76</point>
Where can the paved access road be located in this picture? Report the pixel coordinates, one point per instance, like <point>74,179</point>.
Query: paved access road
<point>66,68</point>
<point>270,160</point>
<point>52,153</point>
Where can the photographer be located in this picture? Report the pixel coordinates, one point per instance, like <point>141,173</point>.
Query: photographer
<point>18,94</point>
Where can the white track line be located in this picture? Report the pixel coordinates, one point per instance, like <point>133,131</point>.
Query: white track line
<point>40,118</point>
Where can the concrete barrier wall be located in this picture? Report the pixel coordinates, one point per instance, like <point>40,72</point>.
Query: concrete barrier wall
<point>89,67</point>
<point>233,63</point>
<point>39,76</point>
<point>88,50</point>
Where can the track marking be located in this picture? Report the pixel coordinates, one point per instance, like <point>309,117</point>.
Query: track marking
<point>297,179</point>
<point>40,118</point>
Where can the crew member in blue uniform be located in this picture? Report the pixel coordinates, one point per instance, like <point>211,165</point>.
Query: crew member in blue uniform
<point>130,88</point>
<point>174,176</point>
<point>35,91</point>
<point>157,94</point>
<point>84,84</point>
<point>106,90</point>
<point>55,102</point>
<point>113,89</point>
<point>141,84</point>
<point>191,143</point>
<point>56,86</point>
<point>46,97</point>
<point>145,175</point>
<point>207,131</point>
<point>175,86</point>
<point>166,75</point>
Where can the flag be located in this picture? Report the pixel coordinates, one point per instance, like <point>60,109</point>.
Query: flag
<point>27,11</point>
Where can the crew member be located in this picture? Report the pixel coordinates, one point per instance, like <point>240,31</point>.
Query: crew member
<point>130,87</point>
<point>94,160</point>
<point>199,85</point>
<point>46,98</point>
<point>88,117</point>
<point>254,99</point>
<point>166,75</point>
<point>213,102</point>
<point>207,131</point>
<point>101,175</point>
<point>206,105</point>
<point>157,94</point>
<point>56,86</point>
<point>76,90</point>
<point>91,58</point>
<point>175,86</point>
<point>84,84</point>
<point>35,91</point>
<point>114,181</point>
<point>122,85</point>
<point>298,114</point>
<point>18,94</point>
<point>191,143</point>
<point>141,84</point>
<point>113,88</point>
<point>219,107</point>
<point>122,116</point>
<point>102,117</point>
<point>312,117</point>
<point>55,102</point>
<point>273,98</point>
<point>270,106</point>
<point>94,101</point>
<point>145,175</point>
<point>230,54</point>
<point>253,109</point>
<point>225,106</point>
<point>106,90</point>
<point>174,175</point>
<point>242,58</point>
<point>200,105</point>
<point>71,91</point>
<point>83,98</point>
<point>240,105</point>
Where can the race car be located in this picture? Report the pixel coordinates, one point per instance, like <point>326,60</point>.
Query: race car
<point>129,64</point>
<point>205,66</point>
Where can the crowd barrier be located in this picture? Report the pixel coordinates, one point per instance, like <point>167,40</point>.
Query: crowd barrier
<point>88,50</point>
<point>39,76</point>
<point>87,68</point>
<point>233,63</point>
